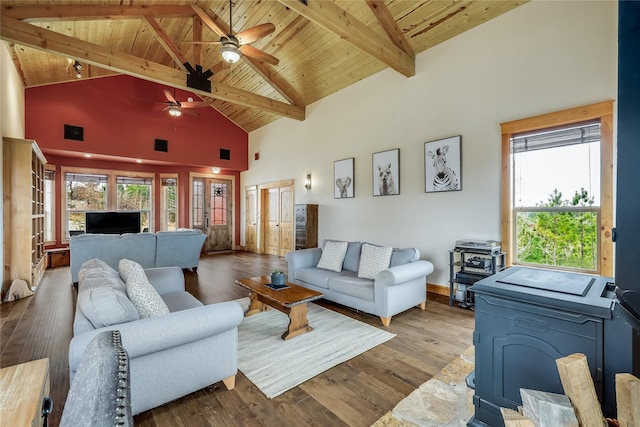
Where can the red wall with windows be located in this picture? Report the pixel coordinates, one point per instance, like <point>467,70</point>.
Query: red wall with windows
<point>121,120</point>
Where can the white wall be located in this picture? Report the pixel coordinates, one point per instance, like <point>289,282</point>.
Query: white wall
<point>539,58</point>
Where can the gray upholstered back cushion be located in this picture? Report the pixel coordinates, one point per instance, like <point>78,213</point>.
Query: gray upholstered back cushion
<point>404,256</point>
<point>100,393</point>
<point>102,296</point>
<point>352,258</point>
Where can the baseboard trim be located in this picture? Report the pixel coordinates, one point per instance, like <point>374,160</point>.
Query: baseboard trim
<point>438,289</point>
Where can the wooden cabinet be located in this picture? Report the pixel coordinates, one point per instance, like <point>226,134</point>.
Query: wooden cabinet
<point>23,210</point>
<point>23,390</point>
<point>306,226</point>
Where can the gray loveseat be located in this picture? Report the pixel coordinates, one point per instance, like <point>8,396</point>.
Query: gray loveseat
<point>171,355</point>
<point>163,249</point>
<point>394,290</point>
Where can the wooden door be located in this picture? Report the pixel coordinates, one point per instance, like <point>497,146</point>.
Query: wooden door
<point>287,221</point>
<point>271,217</point>
<point>251,219</point>
<point>218,219</point>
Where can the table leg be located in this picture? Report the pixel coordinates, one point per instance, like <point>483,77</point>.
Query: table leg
<point>298,323</point>
<point>255,306</point>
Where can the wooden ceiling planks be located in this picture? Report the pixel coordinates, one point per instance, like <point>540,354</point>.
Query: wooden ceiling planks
<point>314,62</point>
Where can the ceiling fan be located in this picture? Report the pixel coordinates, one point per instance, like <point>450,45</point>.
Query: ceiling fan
<point>174,107</point>
<point>234,46</point>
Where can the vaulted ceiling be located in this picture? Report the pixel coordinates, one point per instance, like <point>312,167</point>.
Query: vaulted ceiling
<point>321,46</point>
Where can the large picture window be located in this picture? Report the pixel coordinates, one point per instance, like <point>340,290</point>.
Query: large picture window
<point>134,194</point>
<point>557,190</point>
<point>85,192</point>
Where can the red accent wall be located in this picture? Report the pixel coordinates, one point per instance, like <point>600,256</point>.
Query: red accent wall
<point>120,119</point>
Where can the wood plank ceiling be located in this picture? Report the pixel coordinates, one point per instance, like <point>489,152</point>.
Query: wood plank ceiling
<point>322,47</point>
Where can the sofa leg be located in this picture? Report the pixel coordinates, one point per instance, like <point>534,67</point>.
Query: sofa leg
<point>423,305</point>
<point>386,321</point>
<point>230,382</point>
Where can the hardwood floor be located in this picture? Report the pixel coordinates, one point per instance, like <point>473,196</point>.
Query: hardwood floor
<point>354,393</point>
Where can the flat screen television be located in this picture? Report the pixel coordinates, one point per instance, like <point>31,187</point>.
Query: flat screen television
<point>112,222</point>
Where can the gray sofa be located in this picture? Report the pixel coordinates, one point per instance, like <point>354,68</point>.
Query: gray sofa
<point>171,355</point>
<point>163,249</point>
<point>394,290</point>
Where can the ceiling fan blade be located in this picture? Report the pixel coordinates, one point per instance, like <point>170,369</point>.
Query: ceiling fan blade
<point>170,97</point>
<point>255,33</point>
<point>194,104</point>
<point>200,42</point>
<point>191,113</point>
<point>160,106</point>
<point>259,55</point>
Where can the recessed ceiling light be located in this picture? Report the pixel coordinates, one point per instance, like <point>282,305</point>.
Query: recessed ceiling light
<point>138,161</point>
<point>87,155</point>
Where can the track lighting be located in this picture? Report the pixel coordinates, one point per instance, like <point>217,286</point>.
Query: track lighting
<point>78,67</point>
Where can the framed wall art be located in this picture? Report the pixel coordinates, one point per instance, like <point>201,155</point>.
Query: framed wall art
<point>443,165</point>
<point>386,173</point>
<point>343,179</point>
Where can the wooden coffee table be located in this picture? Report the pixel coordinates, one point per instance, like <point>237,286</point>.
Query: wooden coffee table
<point>291,301</point>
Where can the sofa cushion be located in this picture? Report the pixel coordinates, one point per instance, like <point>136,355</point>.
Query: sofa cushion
<point>373,260</point>
<point>333,255</point>
<point>352,257</point>
<point>403,256</point>
<point>349,284</point>
<point>97,268</point>
<point>315,276</point>
<point>143,296</point>
<point>104,305</point>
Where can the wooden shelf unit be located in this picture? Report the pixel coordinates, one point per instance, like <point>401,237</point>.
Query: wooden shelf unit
<point>23,211</point>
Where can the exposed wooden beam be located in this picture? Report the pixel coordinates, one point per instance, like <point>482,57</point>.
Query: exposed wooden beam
<point>166,42</point>
<point>91,12</point>
<point>384,17</point>
<point>208,21</point>
<point>331,17</point>
<point>15,31</point>
<point>16,61</point>
<point>196,35</point>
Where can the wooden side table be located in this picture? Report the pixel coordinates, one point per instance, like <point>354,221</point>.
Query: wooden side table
<point>23,389</point>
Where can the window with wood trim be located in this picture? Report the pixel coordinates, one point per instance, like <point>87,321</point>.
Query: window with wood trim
<point>557,187</point>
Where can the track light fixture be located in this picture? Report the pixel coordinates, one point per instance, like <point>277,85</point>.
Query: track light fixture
<point>78,67</point>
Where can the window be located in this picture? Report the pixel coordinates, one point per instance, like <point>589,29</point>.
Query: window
<point>557,190</point>
<point>134,194</point>
<point>169,204</point>
<point>110,191</point>
<point>85,192</point>
<point>197,203</point>
<point>49,203</point>
<point>218,203</point>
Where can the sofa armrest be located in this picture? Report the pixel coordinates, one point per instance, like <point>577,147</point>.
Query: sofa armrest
<point>404,273</point>
<point>303,258</point>
<point>166,280</point>
<point>155,334</point>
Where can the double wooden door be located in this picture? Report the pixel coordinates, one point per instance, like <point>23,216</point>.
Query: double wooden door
<point>270,218</point>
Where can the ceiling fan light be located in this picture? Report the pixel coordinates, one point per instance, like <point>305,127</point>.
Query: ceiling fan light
<point>175,111</point>
<point>230,53</point>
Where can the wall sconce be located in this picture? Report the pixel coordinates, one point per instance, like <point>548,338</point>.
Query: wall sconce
<point>215,170</point>
<point>307,182</point>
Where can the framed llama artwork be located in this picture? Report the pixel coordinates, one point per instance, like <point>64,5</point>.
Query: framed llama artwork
<point>343,179</point>
<point>386,173</point>
<point>443,165</point>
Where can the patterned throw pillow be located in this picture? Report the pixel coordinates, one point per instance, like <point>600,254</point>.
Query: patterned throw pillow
<point>141,293</point>
<point>333,256</point>
<point>373,260</point>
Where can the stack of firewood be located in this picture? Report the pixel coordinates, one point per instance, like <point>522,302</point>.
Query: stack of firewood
<point>579,406</point>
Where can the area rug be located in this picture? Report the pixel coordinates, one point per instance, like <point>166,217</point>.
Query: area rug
<point>443,401</point>
<point>275,365</point>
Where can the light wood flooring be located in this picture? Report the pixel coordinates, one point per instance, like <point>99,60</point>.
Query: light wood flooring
<point>354,393</point>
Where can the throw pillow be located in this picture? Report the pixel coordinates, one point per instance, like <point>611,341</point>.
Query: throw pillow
<point>333,256</point>
<point>104,305</point>
<point>141,293</point>
<point>373,260</point>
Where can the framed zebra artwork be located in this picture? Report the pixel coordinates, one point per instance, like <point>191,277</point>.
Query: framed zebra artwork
<point>344,179</point>
<point>443,165</point>
<point>386,173</point>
